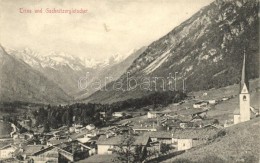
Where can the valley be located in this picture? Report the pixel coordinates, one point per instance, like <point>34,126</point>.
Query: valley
<point>192,95</point>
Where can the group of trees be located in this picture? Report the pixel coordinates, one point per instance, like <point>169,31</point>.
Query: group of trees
<point>56,116</point>
<point>81,113</point>
<point>163,98</point>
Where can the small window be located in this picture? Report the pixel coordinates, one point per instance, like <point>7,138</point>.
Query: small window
<point>244,98</point>
<point>184,144</point>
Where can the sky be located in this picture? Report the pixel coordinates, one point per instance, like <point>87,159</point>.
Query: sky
<point>108,27</point>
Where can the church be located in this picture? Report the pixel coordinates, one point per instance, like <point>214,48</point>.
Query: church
<point>244,98</point>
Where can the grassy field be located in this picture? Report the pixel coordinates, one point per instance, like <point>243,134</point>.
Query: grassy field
<point>240,141</point>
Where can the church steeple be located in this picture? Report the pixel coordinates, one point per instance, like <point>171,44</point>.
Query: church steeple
<point>244,97</point>
<point>244,84</point>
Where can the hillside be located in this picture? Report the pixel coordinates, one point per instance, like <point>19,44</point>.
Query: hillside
<point>206,51</point>
<point>19,82</point>
<point>240,142</point>
<point>223,110</point>
<point>110,73</point>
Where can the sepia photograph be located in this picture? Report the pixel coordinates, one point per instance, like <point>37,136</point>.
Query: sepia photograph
<point>129,81</point>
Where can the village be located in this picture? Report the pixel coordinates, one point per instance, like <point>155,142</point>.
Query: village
<point>183,126</point>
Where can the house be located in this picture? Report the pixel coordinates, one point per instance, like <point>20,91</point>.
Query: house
<point>151,114</point>
<point>163,137</point>
<point>144,128</point>
<point>79,129</point>
<point>186,139</point>
<point>28,150</point>
<point>212,102</point>
<point>23,136</point>
<point>183,139</point>
<point>72,129</point>
<point>91,135</point>
<point>83,140</point>
<point>49,154</point>
<point>77,125</point>
<point>140,130</point>
<point>106,145</point>
<point>225,98</point>
<point>16,135</point>
<point>74,150</point>
<point>58,134</point>
<point>184,125</point>
<point>28,135</point>
<point>90,127</point>
<point>7,151</point>
<point>102,114</point>
<point>178,103</point>
<point>64,152</point>
<point>56,141</point>
<point>177,141</point>
<point>118,114</point>
<point>198,116</point>
<point>200,104</point>
<point>184,144</point>
<point>91,149</point>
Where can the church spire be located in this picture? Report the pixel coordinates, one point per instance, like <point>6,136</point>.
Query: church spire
<point>244,81</point>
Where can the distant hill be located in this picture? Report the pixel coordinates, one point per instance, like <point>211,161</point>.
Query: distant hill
<point>206,50</point>
<point>20,82</point>
<point>110,73</point>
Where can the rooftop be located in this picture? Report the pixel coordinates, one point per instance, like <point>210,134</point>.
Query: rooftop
<point>54,142</point>
<point>117,140</point>
<point>30,149</point>
<point>185,134</point>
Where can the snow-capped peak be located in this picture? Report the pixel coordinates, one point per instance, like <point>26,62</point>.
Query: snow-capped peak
<point>55,59</point>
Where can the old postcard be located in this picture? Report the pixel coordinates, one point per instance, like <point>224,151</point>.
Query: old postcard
<point>129,81</point>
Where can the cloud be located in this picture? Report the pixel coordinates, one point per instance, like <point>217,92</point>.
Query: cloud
<point>131,24</point>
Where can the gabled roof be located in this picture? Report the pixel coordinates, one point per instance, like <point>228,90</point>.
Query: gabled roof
<point>117,140</point>
<point>7,146</point>
<point>54,142</point>
<point>161,134</point>
<point>185,134</point>
<point>30,149</point>
<point>43,150</point>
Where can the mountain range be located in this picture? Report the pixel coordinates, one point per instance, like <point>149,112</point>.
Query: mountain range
<point>19,82</point>
<point>203,52</point>
<point>62,70</point>
<point>206,51</point>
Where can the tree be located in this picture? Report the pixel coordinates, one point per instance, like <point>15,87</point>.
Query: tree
<point>216,121</point>
<point>125,151</point>
<point>164,148</point>
<point>46,127</point>
<point>128,152</point>
<point>140,153</point>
